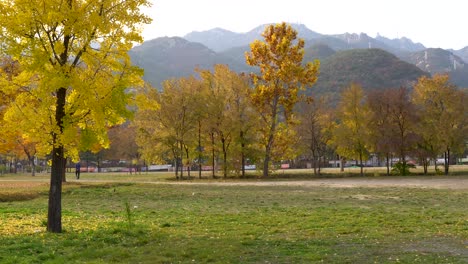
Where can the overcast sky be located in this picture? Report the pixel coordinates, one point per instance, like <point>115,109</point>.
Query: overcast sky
<point>435,24</point>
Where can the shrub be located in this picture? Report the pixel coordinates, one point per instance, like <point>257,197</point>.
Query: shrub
<point>401,168</point>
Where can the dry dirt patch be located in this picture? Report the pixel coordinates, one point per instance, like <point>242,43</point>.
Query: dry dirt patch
<point>431,182</point>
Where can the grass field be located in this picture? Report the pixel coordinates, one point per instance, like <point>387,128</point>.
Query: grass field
<point>133,221</point>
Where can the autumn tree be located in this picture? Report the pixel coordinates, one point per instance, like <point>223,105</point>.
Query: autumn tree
<point>282,75</point>
<point>165,122</point>
<point>443,116</point>
<point>122,145</point>
<point>11,139</point>
<point>229,114</point>
<point>219,84</point>
<point>315,130</point>
<point>245,122</point>
<point>351,134</point>
<point>76,54</point>
<point>380,125</point>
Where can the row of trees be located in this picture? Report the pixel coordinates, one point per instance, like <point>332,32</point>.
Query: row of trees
<point>219,112</point>
<point>429,121</point>
<point>196,120</point>
<point>200,121</point>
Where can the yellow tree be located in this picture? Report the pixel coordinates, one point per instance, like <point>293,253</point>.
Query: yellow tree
<point>282,75</point>
<point>166,122</point>
<point>12,140</point>
<point>75,51</point>
<point>443,116</point>
<point>351,135</point>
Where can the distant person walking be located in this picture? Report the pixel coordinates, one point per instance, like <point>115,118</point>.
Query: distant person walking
<point>77,170</point>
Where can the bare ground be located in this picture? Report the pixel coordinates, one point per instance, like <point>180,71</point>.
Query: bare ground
<point>431,182</point>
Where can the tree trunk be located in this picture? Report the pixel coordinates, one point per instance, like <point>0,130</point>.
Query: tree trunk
<point>360,164</point>
<point>242,153</point>
<point>268,148</point>
<point>271,133</point>
<point>388,164</point>
<point>199,150</point>
<point>213,155</point>
<point>33,165</point>
<point>223,142</point>
<point>188,161</point>
<point>176,161</point>
<point>181,161</point>
<point>314,162</point>
<point>447,161</point>
<point>342,164</point>
<point>425,165</point>
<point>266,162</point>
<point>54,216</point>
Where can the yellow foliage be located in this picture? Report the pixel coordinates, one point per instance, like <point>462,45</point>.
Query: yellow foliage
<point>76,78</point>
<point>282,75</point>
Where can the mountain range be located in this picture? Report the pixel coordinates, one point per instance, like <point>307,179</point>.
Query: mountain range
<point>374,62</point>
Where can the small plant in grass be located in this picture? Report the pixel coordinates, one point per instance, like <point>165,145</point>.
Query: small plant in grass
<point>401,168</point>
<point>128,214</point>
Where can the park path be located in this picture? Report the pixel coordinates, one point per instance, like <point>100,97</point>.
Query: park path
<point>430,182</point>
<point>434,182</point>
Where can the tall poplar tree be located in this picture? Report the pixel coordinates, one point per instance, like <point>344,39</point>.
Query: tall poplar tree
<point>75,53</point>
<point>282,75</point>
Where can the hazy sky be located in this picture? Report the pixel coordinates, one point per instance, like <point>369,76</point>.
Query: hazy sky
<point>435,24</point>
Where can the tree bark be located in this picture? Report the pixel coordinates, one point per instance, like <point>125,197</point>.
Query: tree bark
<point>54,216</point>
<point>388,164</point>
<point>213,155</point>
<point>447,161</point>
<point>242,153</point>
<point>223,142</point>
<point>199,150</point>
<point>360,163</point>
<point>268,148</point>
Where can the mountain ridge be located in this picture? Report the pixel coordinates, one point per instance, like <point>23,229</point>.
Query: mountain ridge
<point>397,46</point>
<point>173,57</point>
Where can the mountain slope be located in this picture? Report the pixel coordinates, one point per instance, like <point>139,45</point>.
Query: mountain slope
<point>435,60</point>
<point>165,58</point>
<point>462,53</point>
<point>441,61</point>
<point>372,68</point>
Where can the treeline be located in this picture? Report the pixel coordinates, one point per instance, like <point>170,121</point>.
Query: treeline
<point>213,120</point>
<point>265,117</point>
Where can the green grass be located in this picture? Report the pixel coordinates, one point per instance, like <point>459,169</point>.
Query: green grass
<point>166,223</point>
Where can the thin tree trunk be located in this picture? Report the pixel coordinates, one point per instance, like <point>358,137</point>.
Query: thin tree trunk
<point>223,142</point>
<point>188,161</point>
<point>242,153</point>
<point>360,164</point>
<point>268,148</point>
<point>199,150</point>
<point>319,166</point>
<point>447,161</point>
<point>213,155</point>
<point>314,160</point>
<point>425,164</point>
<point>342,164</point>
<point>181,161</point>
<point>388,164</point>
